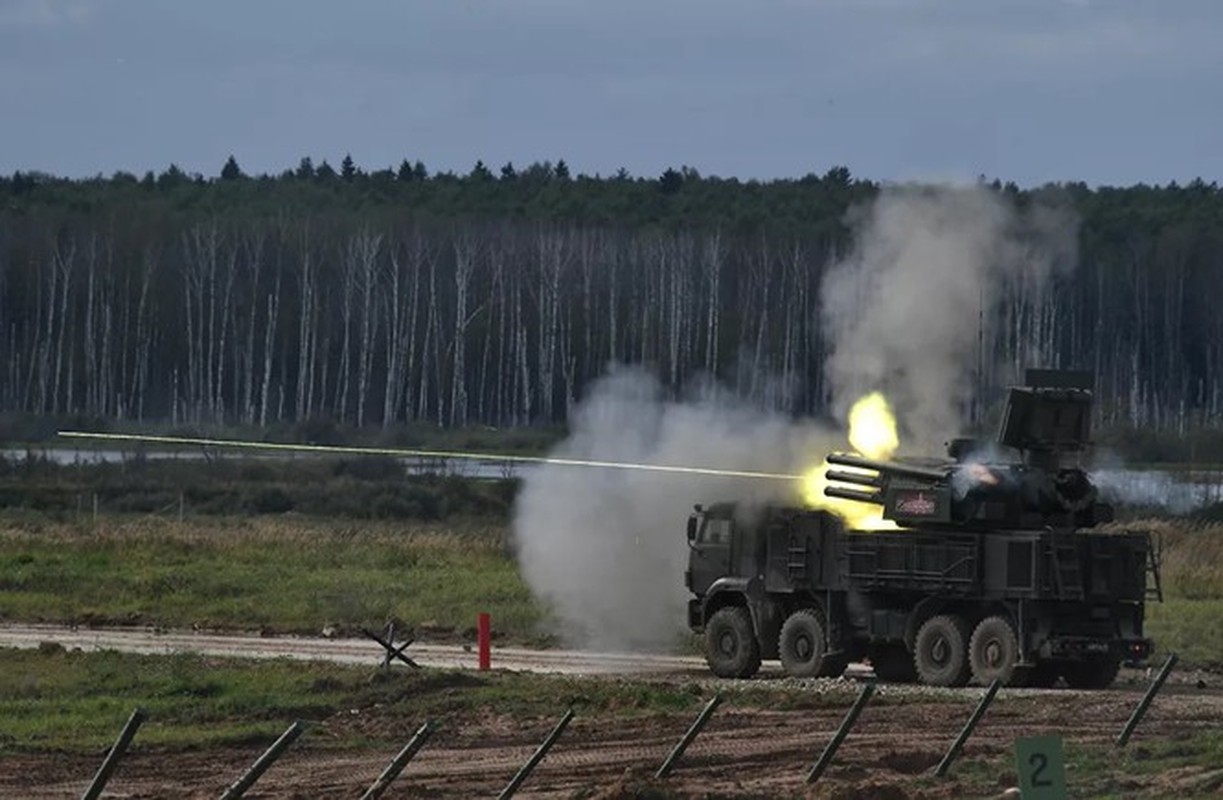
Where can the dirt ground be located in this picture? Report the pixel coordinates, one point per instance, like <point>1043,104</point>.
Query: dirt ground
<point>743,753</point>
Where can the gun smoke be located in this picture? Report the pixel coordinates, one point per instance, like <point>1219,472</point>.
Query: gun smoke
<point>604,550</point>
<point>906,311</point>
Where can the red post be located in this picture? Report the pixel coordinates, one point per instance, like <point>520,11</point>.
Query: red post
<point>483,635</point>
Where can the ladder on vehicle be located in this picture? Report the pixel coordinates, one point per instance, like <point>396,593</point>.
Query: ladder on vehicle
<point>1066,568</point>
<point>1155,589</point>
<point>797,558</point>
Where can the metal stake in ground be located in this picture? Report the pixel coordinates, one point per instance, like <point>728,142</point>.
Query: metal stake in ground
<point>393,650</point>
<point>239,787</point>
<point>850,718</point>
<point>116,752</point>
<point>969,727</point>
<point>536,757</point>
<point>1145,703</point>
<point>398,763</point>
<point>682,744</point>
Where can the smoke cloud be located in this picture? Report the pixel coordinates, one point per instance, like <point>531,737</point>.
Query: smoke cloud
<point>904,311</point>
<point>605,549</point>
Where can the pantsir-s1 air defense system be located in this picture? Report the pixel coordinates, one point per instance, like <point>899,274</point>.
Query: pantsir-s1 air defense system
<point>992,570</point>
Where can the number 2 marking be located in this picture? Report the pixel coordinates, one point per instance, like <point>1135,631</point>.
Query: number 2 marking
<point>1039,761</point>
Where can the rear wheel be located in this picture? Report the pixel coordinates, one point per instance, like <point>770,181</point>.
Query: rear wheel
<point>802,647</point>
<point>993,652</point>
<point>1096,672</point>
<point>731,648</point>
<point>940,652</point>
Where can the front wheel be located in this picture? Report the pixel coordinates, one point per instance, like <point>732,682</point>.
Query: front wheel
<point>731,648</point>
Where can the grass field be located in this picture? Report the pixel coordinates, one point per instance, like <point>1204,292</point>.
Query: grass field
<point>299,574</point>
<point>275,573</point>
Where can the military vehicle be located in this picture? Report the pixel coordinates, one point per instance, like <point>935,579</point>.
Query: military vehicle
<point>993,571</point>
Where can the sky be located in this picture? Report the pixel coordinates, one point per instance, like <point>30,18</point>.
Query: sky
<point>1110,92</point>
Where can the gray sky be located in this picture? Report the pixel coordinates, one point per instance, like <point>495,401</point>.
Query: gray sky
<point>1106,91</point>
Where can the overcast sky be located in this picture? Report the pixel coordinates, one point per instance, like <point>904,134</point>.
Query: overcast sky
<point>1105,91</point>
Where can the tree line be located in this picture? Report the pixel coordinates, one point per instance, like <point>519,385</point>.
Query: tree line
<point>380,298</point>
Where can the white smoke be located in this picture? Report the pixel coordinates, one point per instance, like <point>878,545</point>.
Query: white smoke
<point>605,549</point>
<point>905,310</point>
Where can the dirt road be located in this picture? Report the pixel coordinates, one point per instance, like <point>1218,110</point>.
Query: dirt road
<point>344,651</point>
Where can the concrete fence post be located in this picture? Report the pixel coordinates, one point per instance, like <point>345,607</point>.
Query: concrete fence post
<point>969,727</point>
<point>536,757</point>
<point>238,788</point>
<point>1145,702</point>
<point>846,724</point>
<point>400,761</point>
<point>116,753</point>
<point>697,726</point>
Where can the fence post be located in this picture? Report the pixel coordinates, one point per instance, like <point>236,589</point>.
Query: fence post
<point>969,727</point>
<point>397,764</point>
<point>850,718</point>
<point>239,787</point>
<point>686,739</point>
<point>116,752</point>
<point>483,639</point>
<point>536,757</point>
<point>1145,703</point>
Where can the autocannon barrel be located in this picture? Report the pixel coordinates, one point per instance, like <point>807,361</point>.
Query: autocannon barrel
<point>856,478</point>
<point>886,467</point>
<point>853,494</point>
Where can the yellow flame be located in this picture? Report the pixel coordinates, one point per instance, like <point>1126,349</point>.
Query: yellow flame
<point>872,427</point>
<point>872,432</point>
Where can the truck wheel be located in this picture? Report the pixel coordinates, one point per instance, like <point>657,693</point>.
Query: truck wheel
<point>730,643</point>
<point>1097,672</point>
<point>940,652</point>
<point>993,652</point>
<point>892,663</point>
<point>801,647</point>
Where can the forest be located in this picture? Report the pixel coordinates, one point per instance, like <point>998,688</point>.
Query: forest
<point>374,299</point>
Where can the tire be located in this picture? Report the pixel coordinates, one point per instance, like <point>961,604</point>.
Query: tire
<point>993,652</point>
<point>731,648</point>
<point>940,652</point>
<point>802,647</point>
<point>892,663</point>
<point>1097,672</point>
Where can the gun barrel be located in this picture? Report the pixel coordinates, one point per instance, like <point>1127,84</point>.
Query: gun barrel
<point>886,467</point>
<point>857,478</point>
<point>853,494</point>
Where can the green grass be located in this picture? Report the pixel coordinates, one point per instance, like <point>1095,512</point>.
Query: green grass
<point>53,700</point>
<point>78,702</point>
<point>292,573</point>
<point>280,574</point>
<point>1187,622</point>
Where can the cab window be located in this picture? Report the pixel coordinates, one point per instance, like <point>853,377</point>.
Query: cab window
<point>715,531</point>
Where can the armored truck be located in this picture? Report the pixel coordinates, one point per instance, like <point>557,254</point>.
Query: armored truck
<point>992,572</point>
